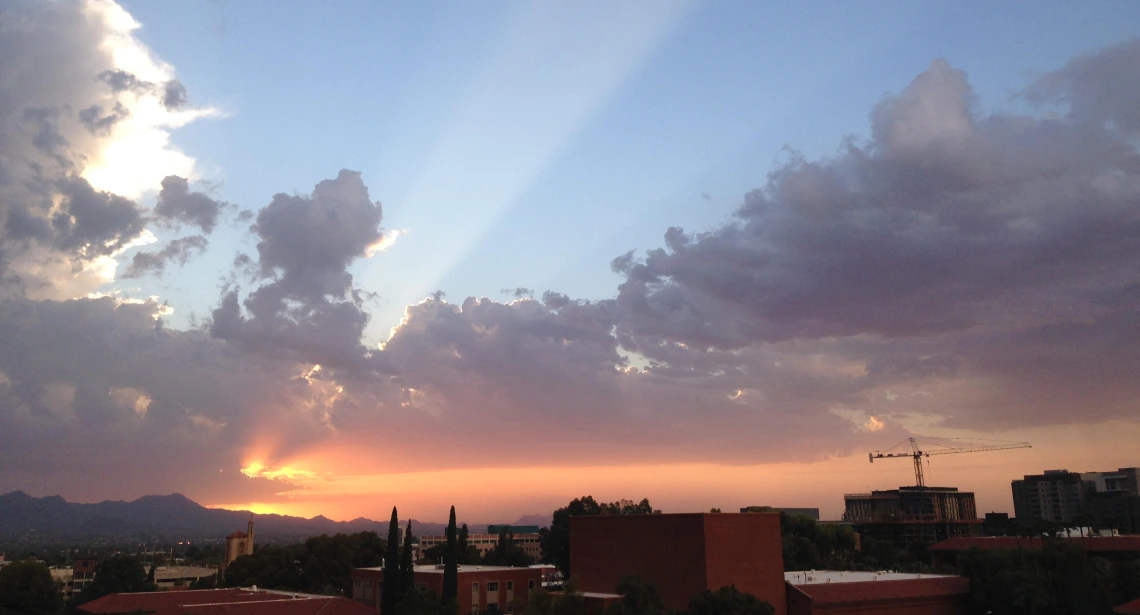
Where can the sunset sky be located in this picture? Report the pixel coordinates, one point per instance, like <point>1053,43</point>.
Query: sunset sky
<point>331,258</point>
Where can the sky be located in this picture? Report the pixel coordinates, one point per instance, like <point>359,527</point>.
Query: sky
<point>327,259</point>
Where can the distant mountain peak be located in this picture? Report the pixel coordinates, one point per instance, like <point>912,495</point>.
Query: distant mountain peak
<point>170,516</point>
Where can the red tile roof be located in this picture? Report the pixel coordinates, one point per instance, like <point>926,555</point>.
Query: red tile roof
<point>224,602</point>
<point>870,592</point>
<point>1094,544</point>
<point>1128,608</point>
<point>238,534</point>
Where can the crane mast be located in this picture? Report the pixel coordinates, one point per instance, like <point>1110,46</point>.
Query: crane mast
<point>916,454</point>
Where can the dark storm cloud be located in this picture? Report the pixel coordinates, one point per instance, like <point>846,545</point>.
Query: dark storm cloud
<point>308,304</point>
<point>178,204</point>
<point>178,251</point>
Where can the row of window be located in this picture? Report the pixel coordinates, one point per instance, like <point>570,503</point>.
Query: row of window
<point>493,586</point>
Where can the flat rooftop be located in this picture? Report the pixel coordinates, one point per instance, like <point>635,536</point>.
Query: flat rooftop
<point>433,569</point>
<point>813,577</point>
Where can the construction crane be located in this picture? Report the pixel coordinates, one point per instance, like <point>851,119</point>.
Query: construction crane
<point>917,453</point>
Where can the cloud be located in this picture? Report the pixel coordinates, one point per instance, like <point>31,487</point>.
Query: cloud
<point>174,95</point>
<point>919,250</point>
<point>83,133</point>
<point>976,270</point>
<point>178,204</point>
<point>178,251</point>
<point>308,304</point>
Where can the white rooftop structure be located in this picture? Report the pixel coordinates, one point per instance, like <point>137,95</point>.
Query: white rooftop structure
<point>811,577</point>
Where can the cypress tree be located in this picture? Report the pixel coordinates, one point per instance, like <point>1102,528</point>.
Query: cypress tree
<point>392,582</point>
<point>407,564</point>
<point>450,564</point>
<point>462,549</point>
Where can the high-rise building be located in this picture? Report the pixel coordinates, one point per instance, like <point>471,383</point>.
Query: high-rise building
<point>913,514</point>
<point>1107,499</point>
<point>1057,496</point>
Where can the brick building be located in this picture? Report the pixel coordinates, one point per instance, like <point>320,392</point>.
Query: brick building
<point>683,554</point>
<point>482,589</point>
<point>878,593</point>
<point>224,602</point>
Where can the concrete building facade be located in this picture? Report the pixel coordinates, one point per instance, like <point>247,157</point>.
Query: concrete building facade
<point>913,514</point>
<point>683,554</point>
<point>1107,499</point>
<point>482,589</point>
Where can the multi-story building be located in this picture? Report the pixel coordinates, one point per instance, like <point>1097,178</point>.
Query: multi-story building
<point>913,514</point>
<point>482,589</point>
<point>683,554</point>
<point>526,536</point>
<point>1057,496</point>
<point>1109,500</point>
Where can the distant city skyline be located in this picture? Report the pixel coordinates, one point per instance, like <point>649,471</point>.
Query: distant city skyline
<point>323,261</point>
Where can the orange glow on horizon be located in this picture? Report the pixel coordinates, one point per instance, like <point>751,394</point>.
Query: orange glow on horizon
<point>338,480</point>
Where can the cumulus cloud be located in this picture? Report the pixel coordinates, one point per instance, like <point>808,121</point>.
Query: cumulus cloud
<point>980,270</point>
<point>948,230</point>
<point>308,304</point>
<point>83,133</point>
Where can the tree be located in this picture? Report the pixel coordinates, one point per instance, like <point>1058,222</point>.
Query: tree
<point>555,540</point>
<point>638,597</point>
<point>390,596</point>
<point>421,601</point>
<point>728,601</point>
<point>450,591</point>
<point>115,575</point>
<point>322,564</point>
<point>407,565</point>
<point>507,552</point>
<point>714,510</point>
<point>468,553</point>
<point>27,588</point>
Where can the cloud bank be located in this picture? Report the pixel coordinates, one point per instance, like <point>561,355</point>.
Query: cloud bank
<point>957,269</point>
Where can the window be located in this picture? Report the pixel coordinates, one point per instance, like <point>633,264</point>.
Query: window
<point>510,585</point>
<point>530,584</point>
<point>493,586</point>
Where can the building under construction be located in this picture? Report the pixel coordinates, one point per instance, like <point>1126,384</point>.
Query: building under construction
<point>910,515</point>
<point>919,514</point>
